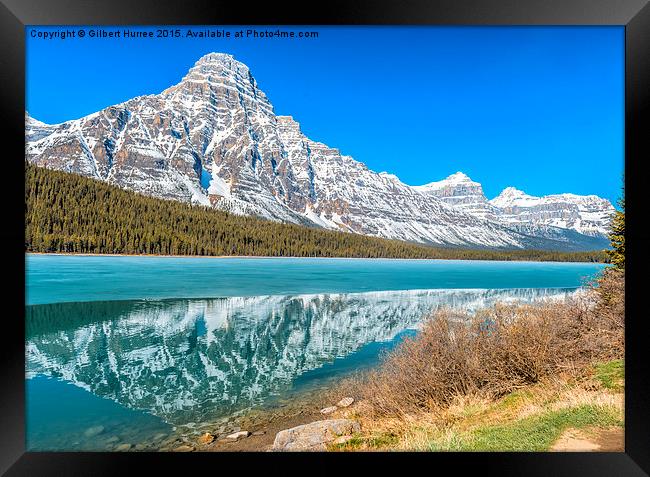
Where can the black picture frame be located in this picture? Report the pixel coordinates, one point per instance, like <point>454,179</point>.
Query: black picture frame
<point>16,14</point>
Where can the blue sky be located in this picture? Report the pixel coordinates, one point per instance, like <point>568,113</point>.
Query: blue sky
<point>538,108</point>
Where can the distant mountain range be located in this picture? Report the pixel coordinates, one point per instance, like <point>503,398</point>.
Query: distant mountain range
<point>214,139</point>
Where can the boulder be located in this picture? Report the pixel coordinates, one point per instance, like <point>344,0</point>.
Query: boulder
<point>314,436</point>
<point>345,402</point>
<point>238,435</point>
<point>328,410</point>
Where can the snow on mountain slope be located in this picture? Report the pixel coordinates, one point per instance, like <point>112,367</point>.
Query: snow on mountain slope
<point>567,217</point>
<point>345,193</point>
<point>589,215</point>
<point>214,139</point>
<point>460,191</point>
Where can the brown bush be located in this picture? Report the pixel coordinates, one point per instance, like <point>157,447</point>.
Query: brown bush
<point>496,351</point>
<point>610,307</point>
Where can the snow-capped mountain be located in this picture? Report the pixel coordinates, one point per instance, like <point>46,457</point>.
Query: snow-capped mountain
<point>589,215</point>
<point>551,216</point>
<point>461,192</point>
<point>214,139</point>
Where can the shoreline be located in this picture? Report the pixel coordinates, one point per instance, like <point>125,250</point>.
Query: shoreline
<point>262,423</point>
<point>270,257</point>
<point>75,254</point>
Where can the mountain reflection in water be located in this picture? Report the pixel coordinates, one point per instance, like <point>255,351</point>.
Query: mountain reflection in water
<point>196,359</point>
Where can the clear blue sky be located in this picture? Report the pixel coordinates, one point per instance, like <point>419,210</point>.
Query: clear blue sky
<point>538,108</point>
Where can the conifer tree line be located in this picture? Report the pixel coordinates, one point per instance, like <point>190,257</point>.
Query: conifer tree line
<point>66,212</point>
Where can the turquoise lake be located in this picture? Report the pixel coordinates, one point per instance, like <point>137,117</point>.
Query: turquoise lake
<point>61,278</point>
<point>124,349</point>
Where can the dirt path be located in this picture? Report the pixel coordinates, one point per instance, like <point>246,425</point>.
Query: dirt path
<point>611,439</point>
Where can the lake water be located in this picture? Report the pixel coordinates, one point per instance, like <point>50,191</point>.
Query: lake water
<point>122,349</point>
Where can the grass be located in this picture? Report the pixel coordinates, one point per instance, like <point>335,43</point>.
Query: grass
<point>539,432</point>
<point>511,403</point>
<point>531,419</point>
<point>534,433</point>
<point>528,419</point>
<point>360,442</point>
<point>611,374</point>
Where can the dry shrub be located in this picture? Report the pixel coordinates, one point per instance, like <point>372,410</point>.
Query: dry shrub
<point>610,306</point>
<point>495,351</point>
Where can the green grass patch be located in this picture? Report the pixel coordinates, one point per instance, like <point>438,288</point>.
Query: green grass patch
<point>373,442</point>
<point>611,374</point>
<point>512,400</point>
<point>535,433</point>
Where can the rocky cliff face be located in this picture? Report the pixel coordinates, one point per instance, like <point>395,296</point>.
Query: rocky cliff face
<point>343,193</point>
<point>461,192</point>
<point>215,140</point>
<point>211,139</point>
<point>567,217</point>
<point>588,215</point>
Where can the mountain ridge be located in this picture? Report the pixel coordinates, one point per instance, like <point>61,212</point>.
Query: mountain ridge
<point>214,139</point>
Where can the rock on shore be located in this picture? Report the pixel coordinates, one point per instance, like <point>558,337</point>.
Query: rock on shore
<point>314,436</point>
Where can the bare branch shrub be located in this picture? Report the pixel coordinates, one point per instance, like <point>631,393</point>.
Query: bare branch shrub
<point>496,351</point>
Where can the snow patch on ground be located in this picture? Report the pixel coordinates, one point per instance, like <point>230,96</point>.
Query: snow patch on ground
<point>319,219</point>
<point>218,186</point>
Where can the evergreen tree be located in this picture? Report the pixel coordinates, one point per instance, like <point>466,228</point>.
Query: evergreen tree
<point>69,213</point>
<point>617,236</point>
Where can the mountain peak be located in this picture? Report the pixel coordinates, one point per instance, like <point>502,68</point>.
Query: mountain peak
<point>511,196</point>
<point>458,177</point>
<point>452,180</point>
<point>218,70</point>
<point>219,61</point>
<point>512,192</point>
<point>216,57</point>
<point>215,64</point>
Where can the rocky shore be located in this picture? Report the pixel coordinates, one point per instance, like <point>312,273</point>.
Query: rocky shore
<point>298,427</point>
<point>301,422</point>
